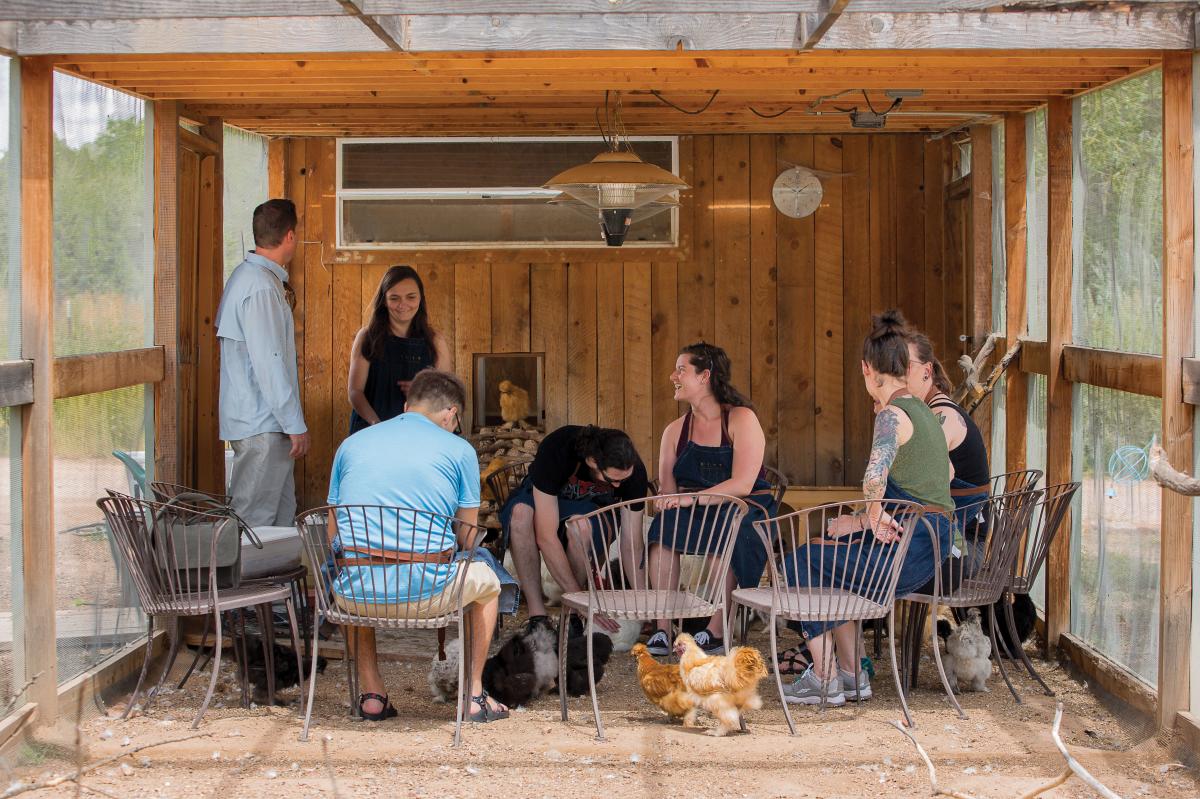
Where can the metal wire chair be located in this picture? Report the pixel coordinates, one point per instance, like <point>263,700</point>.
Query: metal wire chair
<point>1044,525</point>
<point>502,483</point>
<point>623,588</point>
<point>176,574</point>
<point>364,558</point>
<point>974,577</point>
<point>859,583</point>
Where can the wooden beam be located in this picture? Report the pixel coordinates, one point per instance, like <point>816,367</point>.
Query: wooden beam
<point>104,371</point>
<point>28,10</point>
<point>1058,390</point>
<point>1188,727</point>
<point>352,8</point>
<point>980,246</point>
<point>1016,316</point>
<point>1107,675</point>
<point>37,418</point>
<point>813,27</point>
<point>1034,358</point>
<point>16,383</point>
<point>1175,580</point>
<point>8,38</point>
<point>166,257</point>
<point>201,144</point>
<point>1121,371</point>
<point>1171,29</point>
<point>210,260</point>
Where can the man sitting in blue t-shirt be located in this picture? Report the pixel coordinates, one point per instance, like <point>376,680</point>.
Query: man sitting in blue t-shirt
<point>411,461</point>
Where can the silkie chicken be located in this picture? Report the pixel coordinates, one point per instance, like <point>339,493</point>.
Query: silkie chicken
<point>663,686</point>
<point>967,651</point>
<point>514,403</point>
<point>724,685</point>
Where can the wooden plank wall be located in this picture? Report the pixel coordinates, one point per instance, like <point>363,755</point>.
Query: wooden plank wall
<point>789,299</point>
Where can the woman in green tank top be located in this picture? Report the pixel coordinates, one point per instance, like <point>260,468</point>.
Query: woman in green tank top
<point>908,461</point>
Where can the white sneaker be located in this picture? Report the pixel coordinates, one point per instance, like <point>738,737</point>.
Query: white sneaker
<point>808,690</point>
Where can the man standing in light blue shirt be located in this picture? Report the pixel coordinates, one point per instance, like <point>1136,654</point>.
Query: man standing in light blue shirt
<point>260,413</point>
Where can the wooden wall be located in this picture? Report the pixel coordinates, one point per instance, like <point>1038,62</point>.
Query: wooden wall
<point>789,299</point>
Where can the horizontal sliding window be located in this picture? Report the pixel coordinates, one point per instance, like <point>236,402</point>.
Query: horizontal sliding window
<point>403,193</point>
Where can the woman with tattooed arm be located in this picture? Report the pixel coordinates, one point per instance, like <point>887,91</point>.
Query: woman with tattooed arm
<point>908,461</point>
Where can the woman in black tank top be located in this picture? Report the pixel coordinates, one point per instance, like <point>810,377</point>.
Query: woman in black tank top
<point>397,343</point>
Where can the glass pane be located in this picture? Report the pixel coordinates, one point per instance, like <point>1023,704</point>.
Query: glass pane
<point>478,164</point>
<point>10,217</point>
<point>11,562</point>
<point>1035,458</point>
<point>1037,232</point>
<point>1118,271</point>
<point>506,220</point>
<point>245,177</point>
<point>1115,553</point>
<point>96,602</point>
<point>102,273</point>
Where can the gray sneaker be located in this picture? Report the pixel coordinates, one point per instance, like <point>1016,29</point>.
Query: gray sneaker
<point>807,690</point>
<point>659,644</point>
<point>863,690</point>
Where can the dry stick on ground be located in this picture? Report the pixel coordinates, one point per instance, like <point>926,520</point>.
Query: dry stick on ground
<point>25,787</point>
<point>328,767</point>
<point>1074,764</point>
<point>1169,477</point>
<point>936,789</point>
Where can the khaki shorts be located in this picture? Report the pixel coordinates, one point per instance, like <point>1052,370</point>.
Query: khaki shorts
<point>481,585</point>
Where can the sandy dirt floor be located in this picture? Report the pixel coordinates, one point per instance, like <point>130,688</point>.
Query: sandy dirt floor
<point>1002,750</point>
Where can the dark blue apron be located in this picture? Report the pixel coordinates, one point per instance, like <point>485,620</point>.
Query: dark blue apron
<point>830,564</point>
<point>698,468</point>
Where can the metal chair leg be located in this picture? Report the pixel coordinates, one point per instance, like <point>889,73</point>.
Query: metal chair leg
<point>857,662</point>
<point>350,634</point>
<point>1011,623</point>
<point>563,622</point>
<point>266,623</point>
<point>464,689</point>
<point>241,655</point>
<point>145,667</point>
<point>312,677</point>
<point>896,669</point>
<point>787,714</point>
<point>216,672</point>
<point>937,657</point>
<point>1000,660</point>
<point>176,635</point>
<point>202,657</point>
<point>592,677</point>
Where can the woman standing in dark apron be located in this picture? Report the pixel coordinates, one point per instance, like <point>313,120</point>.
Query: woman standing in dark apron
<point>717,447</point>
<point>397,343</point>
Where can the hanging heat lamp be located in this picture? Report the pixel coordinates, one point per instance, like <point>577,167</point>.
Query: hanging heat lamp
<point>617,185</point>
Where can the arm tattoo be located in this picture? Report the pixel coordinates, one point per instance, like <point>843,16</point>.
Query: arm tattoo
<point>883,453</point>
<point>941,420</point>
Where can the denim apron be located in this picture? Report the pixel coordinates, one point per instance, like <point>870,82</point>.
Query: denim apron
<point>970,525</point>
<point>567,507</point>
<point>863,551</point>
<point>699,468</point>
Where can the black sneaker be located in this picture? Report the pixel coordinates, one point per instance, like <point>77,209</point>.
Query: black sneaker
<point>659,644</point>
<point>709,643</point>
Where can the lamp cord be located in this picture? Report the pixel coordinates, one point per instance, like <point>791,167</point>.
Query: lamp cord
<point>701,110</point>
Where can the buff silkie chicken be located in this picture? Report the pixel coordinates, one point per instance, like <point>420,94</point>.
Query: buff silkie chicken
<point>968,650</point>
<point>724,685</point>
<point>663,686</point>
<point>514,403</point>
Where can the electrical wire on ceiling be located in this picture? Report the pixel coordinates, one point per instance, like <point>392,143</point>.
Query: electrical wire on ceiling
<point>700,110</point>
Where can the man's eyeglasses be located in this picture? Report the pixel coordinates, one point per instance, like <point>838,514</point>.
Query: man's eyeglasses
<point>458,428</point>
<point>611,482</point>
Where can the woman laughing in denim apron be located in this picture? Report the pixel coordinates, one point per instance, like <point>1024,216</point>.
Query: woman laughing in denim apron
<point>717,447</point>
<point>908,461</point>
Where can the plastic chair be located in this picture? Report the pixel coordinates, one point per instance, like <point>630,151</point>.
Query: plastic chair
<point>975,578</point>
<point>863,586</point>
<point>176,580</point>
<point>709,529</point>
<point>1044,525</point>
<point>365,536</point>
<point>135,473</point>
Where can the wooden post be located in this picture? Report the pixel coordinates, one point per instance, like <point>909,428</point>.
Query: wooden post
<point>1059,391</point>
<point>166,258</point>
<point>37,345</point>
<point>1016,317</point>
<point>210,466</point>
<point>979,263</point>
<point>1175,586</point>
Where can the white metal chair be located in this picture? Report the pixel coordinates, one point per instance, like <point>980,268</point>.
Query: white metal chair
<point>360,573</point>
<point>623,589</point>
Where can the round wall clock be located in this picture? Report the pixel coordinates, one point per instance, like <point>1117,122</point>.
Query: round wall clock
<point>797,192</point>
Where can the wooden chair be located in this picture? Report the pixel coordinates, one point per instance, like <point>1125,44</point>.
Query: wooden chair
<point>710,529</point>
<point>176,575</point>
<point>864,587</point>
<point>362,538</point>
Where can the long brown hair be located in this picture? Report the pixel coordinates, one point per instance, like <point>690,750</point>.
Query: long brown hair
<point>885,349</point>
<point>924,348</point>
<point>377,328</point>
<point>714,359</point>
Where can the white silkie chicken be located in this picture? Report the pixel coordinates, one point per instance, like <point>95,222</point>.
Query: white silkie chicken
<point>968,652</point>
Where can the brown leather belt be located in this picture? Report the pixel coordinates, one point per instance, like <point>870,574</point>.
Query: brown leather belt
<point>391,557</point>
<point>968,492</point>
